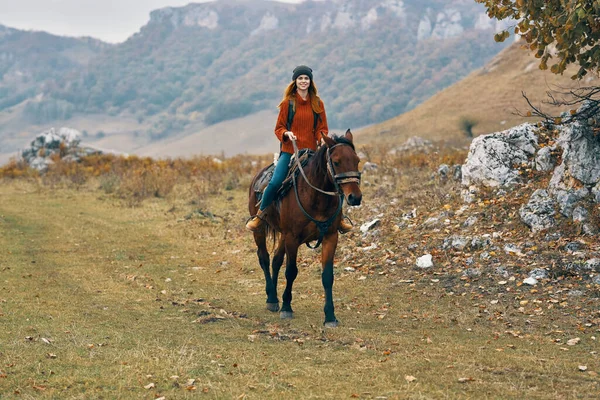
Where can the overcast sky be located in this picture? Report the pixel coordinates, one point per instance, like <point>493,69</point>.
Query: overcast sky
<point>109,20</point>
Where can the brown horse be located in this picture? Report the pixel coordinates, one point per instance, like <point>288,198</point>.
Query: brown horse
<point>309,211</point>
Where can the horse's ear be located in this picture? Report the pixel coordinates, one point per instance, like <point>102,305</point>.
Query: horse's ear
<point>329,142</point>
<point>349,135</point>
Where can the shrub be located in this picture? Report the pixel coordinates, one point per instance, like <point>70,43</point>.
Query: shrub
<point>17,169</point>
<point>466,125</point>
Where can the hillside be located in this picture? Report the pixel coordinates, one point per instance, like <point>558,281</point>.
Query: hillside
<point>195,66</point>
<point>490,96</point>
<point>31,61</point>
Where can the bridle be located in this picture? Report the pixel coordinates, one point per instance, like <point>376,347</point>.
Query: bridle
<point>337,179</point>
<point>344,177</point>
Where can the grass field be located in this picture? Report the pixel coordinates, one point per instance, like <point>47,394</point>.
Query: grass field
<point>100,300</point>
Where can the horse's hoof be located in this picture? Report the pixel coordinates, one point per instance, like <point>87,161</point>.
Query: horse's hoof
<point>274,307</point>
<point>331,324</point>
<point>286,315</point>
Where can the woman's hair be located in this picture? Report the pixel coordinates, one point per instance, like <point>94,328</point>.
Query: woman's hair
<point>290,94</point>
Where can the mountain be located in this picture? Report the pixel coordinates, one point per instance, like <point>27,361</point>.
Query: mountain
<point>31,60</point>
<point>195,66</point>
<point>490,97</point>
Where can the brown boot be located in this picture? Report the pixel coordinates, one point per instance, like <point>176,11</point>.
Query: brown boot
<point>255,222</point>
<point>345,225</point>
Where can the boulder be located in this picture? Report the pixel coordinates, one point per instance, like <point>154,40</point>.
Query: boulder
<point>492,157</point>
<point>457,172</point>
<point>443,171</point>
<point>65,143</point>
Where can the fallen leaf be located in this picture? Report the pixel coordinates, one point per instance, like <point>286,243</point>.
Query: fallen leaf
<point>582,368</point>
<point>573,342</point>
<point>410,378</point>
<point>465,380</point>
<point>151,385</point>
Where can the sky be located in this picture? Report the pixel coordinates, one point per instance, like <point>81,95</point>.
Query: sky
<point>109,20</point>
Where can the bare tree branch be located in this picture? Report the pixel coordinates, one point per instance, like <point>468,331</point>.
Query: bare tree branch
<point>588,96</point>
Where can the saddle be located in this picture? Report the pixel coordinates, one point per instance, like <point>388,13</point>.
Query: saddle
<point>261,183</point>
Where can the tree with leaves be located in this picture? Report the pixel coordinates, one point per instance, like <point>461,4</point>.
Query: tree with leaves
<point>571,27</point>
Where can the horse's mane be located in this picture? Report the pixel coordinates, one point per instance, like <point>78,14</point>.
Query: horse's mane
<point>319,160</point>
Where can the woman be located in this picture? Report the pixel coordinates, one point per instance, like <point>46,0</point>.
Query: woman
<point>309,120</point>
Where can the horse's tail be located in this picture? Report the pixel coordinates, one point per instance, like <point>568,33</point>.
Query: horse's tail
<point>272,234</point>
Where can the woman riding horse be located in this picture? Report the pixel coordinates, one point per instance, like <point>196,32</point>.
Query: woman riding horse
<point>312,212</point>
<point>308,122</point>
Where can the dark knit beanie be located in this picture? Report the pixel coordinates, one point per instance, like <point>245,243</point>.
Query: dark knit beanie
<point>302,70</point>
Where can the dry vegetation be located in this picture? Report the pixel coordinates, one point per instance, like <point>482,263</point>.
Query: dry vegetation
<point>134,278</point>
<point>490,98</point>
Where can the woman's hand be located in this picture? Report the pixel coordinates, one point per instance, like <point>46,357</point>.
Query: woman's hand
<point>290,135</point>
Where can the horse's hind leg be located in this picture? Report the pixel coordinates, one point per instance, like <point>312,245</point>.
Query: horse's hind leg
<point>276,266</point>
<point>263,259</point>
<point>291,271</point>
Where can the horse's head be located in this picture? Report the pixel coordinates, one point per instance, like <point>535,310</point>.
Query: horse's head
<point>342,163</point>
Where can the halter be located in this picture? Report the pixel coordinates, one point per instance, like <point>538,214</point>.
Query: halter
<point>337,179</point>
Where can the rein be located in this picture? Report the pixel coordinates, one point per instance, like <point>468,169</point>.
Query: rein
<point>322,226</point>
<point>304,175</point>
<point>339,179</point>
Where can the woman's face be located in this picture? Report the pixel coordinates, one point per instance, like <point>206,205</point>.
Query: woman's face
<point>303,82</point>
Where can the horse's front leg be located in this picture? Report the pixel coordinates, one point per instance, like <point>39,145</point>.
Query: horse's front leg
<point>291,271</point>
<point>329,245</point>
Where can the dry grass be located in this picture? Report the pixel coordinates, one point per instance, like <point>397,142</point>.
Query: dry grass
<point>489,96</point>
<point>101,300</point>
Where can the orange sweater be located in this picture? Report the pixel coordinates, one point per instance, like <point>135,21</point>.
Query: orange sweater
<point>302,126</point>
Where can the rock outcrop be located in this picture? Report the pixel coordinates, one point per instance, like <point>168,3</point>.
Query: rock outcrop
<point>503,160</point>
<point>47,145</point>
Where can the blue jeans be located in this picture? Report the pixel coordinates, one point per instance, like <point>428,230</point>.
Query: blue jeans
<point>281,170</point>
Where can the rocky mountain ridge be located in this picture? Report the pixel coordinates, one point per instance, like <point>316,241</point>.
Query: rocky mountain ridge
<point>434,19</point>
